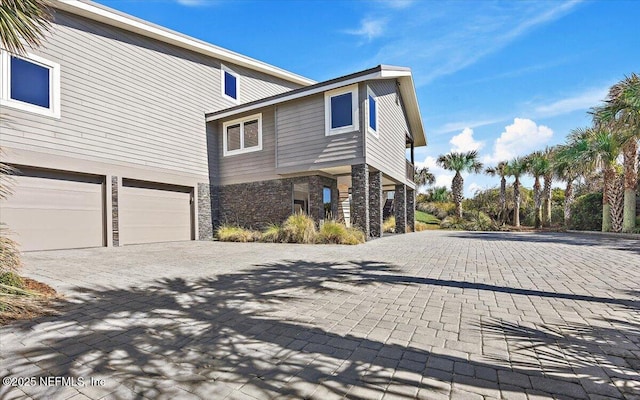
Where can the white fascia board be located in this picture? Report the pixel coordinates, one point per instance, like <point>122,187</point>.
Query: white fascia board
<point>297,95</point>
<point>408,90</point>
<point>107,16</point>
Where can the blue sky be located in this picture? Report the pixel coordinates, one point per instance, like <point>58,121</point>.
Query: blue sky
<point>502,77</point>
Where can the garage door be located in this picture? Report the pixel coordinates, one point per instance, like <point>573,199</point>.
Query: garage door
<point>151,212</point>
<point>55,210</point>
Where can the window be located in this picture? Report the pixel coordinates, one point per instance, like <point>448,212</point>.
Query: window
<point>30,83</point>
<point>341,110</point>
<point>230,84</point>
<point>242,135</point>
<point>326,201</point>
<point>372,117</point>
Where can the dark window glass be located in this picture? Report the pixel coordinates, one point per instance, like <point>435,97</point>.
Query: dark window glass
<point>230,85</point>
<point>233,137</point>
<point>30,82</point>
<point>372,113</point>
<point>251,134</point>
<point>341,111</point>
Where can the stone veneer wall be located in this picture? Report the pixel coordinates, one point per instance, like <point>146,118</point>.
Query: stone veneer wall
<point>205,219</point>
<point>400,206</point>
<point>411,209</point>
<point>375,203</point>
<point>360,197</point>
<point>258,204</point>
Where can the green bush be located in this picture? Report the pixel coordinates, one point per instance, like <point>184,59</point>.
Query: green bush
<point>438,210</point>
<point>586,212</point>
<point>11,279</point>
<point>453,222</point>
<point>231,233</point>
<point>299,228</point>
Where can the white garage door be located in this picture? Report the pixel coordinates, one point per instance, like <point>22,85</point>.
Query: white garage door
<point>54,210</point>
<point>151,212</point>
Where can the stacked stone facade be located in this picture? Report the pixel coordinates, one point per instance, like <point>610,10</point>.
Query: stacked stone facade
<point>115,221</point>
<point>360,197</point>
<point>205,226</point>
<point>400,208</point>
<point>375,204</point>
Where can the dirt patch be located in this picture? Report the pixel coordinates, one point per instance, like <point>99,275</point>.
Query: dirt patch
<point>38,287</point>
<point>15,307</point>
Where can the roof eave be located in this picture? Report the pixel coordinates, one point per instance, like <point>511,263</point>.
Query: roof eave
<point>112,17</point>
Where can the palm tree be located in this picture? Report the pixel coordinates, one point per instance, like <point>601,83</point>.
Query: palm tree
<point>548,153</point>
<point>537,165</point>
<point>516,168</point>
<point>601,149</point>
<point>567,166</point>
<point>20,20</point>
<point>422,176</point>
<point>500,170</point>
<point>460,162</point>
<point>621,113</point>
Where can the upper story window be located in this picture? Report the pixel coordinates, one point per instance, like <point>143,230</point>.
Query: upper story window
<point>372,111</point>
<point>30,83</point>
<point>242,135</point>
<point>230,84</point>
<point>341,110</point>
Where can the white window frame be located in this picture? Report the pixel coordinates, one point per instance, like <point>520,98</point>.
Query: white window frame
<point>54,85</point>
<point>374,132</point>
<point>353,89</point>
<point>224,69</point>
<point>242,149</point>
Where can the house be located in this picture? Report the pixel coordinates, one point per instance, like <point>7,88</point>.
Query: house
<point>126,132</point>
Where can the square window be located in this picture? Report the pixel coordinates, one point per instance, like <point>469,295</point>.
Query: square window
<point>30,82</point>
<point>242,135</point>
<point>341,111</point>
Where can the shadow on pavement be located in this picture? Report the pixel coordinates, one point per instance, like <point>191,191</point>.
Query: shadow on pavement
<point>242,333</point>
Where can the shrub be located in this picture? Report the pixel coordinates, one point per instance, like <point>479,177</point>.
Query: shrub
<point>439,210</point>
<point>11,279</point>
<point>453,222</point>
<point>331,232</point>
<point>299,228</point>
<point>586,213</point>
<point>420,226</point>
<point>273,234</point>
<point>481,222</point>
<point>9,254</point>
<point>389,225</point>
<point>231,233</point>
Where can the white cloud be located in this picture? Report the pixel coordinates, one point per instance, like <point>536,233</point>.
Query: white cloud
<point>581,101</point>
<point>369,28</point>
<point>443,177</point>
<point>471,189</point>
<point>519,138</point>
<point>464,141</point>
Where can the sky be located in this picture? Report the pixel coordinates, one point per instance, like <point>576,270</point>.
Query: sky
<point>504,78</point>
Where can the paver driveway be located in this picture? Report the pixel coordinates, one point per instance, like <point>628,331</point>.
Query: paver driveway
<point>429,315</point>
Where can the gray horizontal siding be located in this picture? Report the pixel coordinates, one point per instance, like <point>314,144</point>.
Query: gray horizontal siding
<point>387,153</point>
<point>127,99</point>
<point>247,167</point>
<point>302,142</point>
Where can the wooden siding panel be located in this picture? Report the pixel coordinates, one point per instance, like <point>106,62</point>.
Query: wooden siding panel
<point>302,142</point>
<point>387,152</point>
<point>129,99</point>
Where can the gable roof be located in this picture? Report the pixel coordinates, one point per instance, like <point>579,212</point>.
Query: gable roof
<point>109,16</point>
<point>402,74</point>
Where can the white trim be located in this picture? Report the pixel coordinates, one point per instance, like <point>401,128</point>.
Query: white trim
<point>224,69</point>
<point>353,89</point>
<point>374,132</point>
<point>297,95</point>
<point>54,85</point>
<point>112,17</point>
<point>241,122</point>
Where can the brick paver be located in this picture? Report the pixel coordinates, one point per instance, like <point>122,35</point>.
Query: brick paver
<point>430,315</point>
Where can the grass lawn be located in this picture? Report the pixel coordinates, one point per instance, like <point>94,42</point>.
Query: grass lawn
<point>426,218</point>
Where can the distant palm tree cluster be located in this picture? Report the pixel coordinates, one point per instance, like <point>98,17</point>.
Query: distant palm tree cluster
<point>587,153</point>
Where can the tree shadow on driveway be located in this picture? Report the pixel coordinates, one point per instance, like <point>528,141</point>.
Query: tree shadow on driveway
<point>250,334</point>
